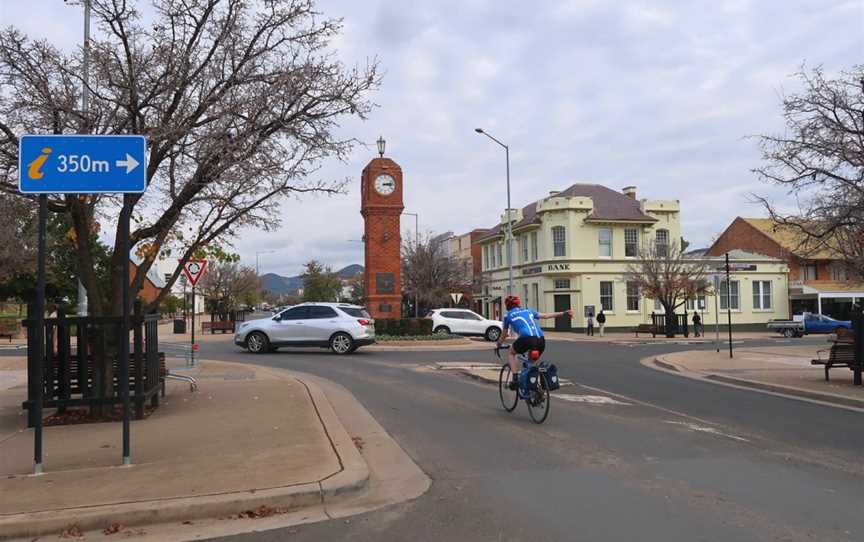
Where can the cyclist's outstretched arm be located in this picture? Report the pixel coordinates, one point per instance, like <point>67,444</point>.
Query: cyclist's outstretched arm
<point>545,315</point>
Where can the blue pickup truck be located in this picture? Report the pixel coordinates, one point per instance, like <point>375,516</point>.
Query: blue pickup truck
<point>810,323</point>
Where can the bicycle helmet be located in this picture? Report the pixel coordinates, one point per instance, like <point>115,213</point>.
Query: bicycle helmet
<point>512,301</point>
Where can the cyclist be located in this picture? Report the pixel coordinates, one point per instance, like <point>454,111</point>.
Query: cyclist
<point>524,323</point>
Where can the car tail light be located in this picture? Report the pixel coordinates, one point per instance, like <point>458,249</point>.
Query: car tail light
<point>364,322</point>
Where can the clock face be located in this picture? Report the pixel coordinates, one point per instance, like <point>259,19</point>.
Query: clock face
<point>385,185</point>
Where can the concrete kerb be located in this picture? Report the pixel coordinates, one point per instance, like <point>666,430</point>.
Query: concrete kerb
<point>350,481</point>
<point>661,363</point>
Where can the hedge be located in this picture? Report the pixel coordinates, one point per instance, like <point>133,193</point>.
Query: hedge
<point>403,326</point>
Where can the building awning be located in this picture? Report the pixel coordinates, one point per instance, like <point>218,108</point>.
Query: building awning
<point>827,289</point>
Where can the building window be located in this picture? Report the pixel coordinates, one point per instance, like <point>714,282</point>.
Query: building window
<point>657,305</point>
<point>696,303</point>
<point>486,257</point>
<point>838,272</point>
<point>523,242</point>
<point>661,243</point>
<point>631,242</point>
<point>729,296</point>
<point>562,284</point>
<point>632,296</point>
<point>500,259</point>
<point>525,296</point>
<point>606,300</point>
<point>605,236</point>
<point>810,271</point>
<point>559,242</point>
<point>534,248</point>
<point>762,294</point>
<point>535,289</point>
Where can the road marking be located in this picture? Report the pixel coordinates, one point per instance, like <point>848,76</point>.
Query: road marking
<point>703,429</point>
<point>591,399</point>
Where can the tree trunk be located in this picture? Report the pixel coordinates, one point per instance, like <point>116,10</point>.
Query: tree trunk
<point>671,323</point>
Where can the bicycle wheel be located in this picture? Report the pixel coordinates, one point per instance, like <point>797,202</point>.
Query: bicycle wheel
<point>509,398</point>
<point>538,400</point>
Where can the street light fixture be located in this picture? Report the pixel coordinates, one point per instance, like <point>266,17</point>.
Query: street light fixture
<point>381,144</point>
<point>416,244</point>
<point>509,221</point>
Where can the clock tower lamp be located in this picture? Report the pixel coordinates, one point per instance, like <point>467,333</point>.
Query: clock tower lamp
<point>381,206</point>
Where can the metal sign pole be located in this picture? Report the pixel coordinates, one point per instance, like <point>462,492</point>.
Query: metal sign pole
<point>192,344</point>
<point>729,303</point>
<point>124,329</point>
<point>717,312</point>
<point>40,334</point>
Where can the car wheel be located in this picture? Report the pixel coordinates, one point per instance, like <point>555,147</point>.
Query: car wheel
<point>341,343</point>
<point>257,343</point>
<point>493,333</point>
<point>788,333</point>
<point>442,330</point>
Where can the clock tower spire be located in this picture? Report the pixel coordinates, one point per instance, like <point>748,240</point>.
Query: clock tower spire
<point>381,205</point>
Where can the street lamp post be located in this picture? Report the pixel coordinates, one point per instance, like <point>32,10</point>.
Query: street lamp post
<point>416,244</point>
<point>509,221</point>
<point>257,266</point>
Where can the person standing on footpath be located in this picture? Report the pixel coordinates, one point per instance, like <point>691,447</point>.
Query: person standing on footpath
<point>590,330</point>
<point>697,324</point>
<point>601,321</point>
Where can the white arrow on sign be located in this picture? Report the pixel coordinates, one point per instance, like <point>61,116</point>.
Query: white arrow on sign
<point>456,298</point>
<point>129,163</point>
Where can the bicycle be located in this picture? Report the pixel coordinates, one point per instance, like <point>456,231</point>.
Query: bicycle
<point>539,398</point>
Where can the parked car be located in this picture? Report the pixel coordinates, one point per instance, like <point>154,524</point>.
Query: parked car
<point>342,327</point>
<point>464,322</point>
<point>808,323</point>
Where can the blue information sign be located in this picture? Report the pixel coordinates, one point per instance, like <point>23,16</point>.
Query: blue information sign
<point>81,164</point>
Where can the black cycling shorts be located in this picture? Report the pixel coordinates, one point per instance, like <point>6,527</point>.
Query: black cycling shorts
<point>526,344</point>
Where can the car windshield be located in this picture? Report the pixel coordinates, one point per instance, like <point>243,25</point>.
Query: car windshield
<point>356,312</point>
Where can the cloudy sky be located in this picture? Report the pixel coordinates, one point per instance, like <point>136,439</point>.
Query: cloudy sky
<point>658,94</point>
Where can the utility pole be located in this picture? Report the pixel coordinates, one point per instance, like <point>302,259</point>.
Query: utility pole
<point>729,303</point>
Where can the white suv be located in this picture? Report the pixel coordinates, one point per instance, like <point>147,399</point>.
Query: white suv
<point>464,322</point>
<point>339,326</point>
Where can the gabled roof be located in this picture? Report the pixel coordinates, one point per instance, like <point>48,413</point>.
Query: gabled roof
<point>608,205</point>
<point>791,239</point>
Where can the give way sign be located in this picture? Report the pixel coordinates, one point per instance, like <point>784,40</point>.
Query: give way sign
<point>193,269</point>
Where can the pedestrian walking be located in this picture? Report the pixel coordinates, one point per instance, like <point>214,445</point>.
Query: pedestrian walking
<point>601,321</point>
<point>590,324</point>
<point>697,324</point>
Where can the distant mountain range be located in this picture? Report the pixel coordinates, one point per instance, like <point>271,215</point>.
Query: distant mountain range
<point>278,284</point>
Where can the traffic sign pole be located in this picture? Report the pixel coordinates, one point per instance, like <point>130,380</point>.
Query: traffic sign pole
<point>192,344</point>
<point>729,303</point>
<point>40,334</point>
<point>124,327</point>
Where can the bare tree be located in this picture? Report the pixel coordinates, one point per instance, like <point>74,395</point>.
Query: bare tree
<point>239,101</point>
<point>18,222</point>
<point>820,161</point>
<point>665,273</point>
<point>429,271</point>
<point>228,284</point>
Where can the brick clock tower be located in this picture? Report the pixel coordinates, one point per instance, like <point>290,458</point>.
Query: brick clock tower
<point>381,206</point>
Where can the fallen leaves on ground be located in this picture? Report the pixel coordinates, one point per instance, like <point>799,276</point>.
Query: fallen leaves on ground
<point>358,442</point>
<point>114,528</point>
<point>72,531</point>
<point>262,511</point>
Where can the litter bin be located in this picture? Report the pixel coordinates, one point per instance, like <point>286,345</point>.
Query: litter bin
<point>179,325</point>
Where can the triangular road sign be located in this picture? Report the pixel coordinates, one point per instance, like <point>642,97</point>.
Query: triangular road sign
<point>193,269</point>
<point>456,297</point>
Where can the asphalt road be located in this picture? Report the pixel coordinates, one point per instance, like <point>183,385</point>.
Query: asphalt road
<point>678,460</point>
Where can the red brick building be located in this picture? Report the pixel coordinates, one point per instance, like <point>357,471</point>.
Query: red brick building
<point>819,281</point>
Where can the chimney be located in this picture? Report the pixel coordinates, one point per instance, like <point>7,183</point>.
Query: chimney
<point>629,191</point>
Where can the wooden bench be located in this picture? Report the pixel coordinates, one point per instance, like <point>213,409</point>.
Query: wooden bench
<point>841,354</point>
<point>645,328</point>
<point>9,329</point>
<point>227,326</point>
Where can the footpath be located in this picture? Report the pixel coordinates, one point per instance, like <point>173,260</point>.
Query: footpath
<point>267,446</point>
<point>783,370</point>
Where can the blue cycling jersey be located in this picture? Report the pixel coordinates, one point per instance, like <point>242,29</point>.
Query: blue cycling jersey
<point>523,322</point>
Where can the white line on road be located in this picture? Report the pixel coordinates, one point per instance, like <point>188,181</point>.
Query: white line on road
<point>704,429</point>
<point>592,399</point>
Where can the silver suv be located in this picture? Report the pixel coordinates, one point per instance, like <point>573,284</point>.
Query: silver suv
<point>339,326</point>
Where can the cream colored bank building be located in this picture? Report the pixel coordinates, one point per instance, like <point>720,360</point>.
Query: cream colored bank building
<point>572,249</point>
